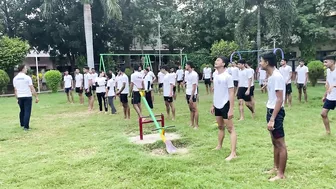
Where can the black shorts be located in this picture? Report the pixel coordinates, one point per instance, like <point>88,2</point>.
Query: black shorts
<point>301,86</point>
<point>252,91</point>
<point>136,98</point>
<point>235,83</point>
<point>329,104</point>
<point>94,88</point>
<point>88,94</point>
<point>124,98</point>
<point>78,90</point>
<point>174,89</point>
<point>67,90</point>
<point>223,112</point>
<point>207,81</point>
<point>179,81</point>
<point>160,85</point>
<point>241,94</point>
<point>289,88</point>
<point>168,99</point>
<point>152,86</point>
<point>278,131</point>
<point>193,99</point>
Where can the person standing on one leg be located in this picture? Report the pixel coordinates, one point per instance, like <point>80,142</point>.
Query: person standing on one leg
<point>234,70</point>
<point>137,83</point>
<point>180,74</point>
<point>191,93</point>
<point>223,104</point>
<point>302,79</point>
<point>168,92</point>
<point>24,90</point>
<point>262,79</point>
<point>207,77</point>
<point>79,85</point>
<point>68,86</point>
<point>110,92</point>
<point>275,114</point>
<point>148,87</point>
<point>173,75</point>
<point>329,97</point>
<point>88,87</point>
<point>286,72</point>
<point>248,67</point>
<point>160,81</point>
<point>101,83</point>
<point>244,86</point>
<point>123,90</point>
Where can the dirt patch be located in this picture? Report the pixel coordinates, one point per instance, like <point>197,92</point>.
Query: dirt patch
<point>152,138</point>
<point>163,152</point>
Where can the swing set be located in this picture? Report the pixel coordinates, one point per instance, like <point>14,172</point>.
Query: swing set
<point>253,51</point>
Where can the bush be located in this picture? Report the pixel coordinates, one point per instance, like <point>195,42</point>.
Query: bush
<point>53,79</point>
<point>223,48</point>
<point>34,78</point>
<point>316,71</point>
<point>199,58</point>
<point>4,80</point>
<point>203,66</point>
<point>128,72</point>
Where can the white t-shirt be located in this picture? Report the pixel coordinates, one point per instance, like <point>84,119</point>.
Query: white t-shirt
<point>160,77</point>
<point>262,74</point>
<point>79,80</point>
<point>207,73</point>
<point>67,81</point>
<point>331,79</point>
<point>148,78</point>
<point>123,79</point>
<point>185,75</point>
<point>94,76</point>
<point>222,83</point>
<point>235,73</point>
<point>252,73</point>
<point>301,74</point>
<point>214,73</point>
<point>179,74</point>
<point>275,82</point>
<point>168,80</point>
<point>191,79</point>
<point>111,84</point>
<point>22,83</point>
<point>244,76</point>
<point>286,73</point>
<point>152,76</point>
<point>174,76</point>
<point>136,79</point>
<point>101,81</point>
<point>87,78</point>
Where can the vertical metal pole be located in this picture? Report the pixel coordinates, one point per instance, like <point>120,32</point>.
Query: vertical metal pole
<point>140,128</point>
<point>37,73</point>
<point>274,43</point>
<point>162,121</point>
<point>159,45</point>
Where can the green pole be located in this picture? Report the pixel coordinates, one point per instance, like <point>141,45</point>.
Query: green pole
<point>100,62</point>
<point>103,64</point>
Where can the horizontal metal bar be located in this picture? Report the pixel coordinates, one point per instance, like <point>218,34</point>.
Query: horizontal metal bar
<point>142,54</point>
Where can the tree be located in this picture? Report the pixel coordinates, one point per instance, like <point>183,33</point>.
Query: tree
<point>4,80</point>
<point>223,48</point>
<point>12,52</point>
<point>316,71</point>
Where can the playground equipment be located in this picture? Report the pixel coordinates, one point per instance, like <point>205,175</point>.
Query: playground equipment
<point>141,123</point>
<point>170,148</point>
<point>251,51</point>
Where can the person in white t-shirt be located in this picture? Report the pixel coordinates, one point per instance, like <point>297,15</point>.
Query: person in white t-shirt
<point>329,97</point>
<point>152,79</point>
<point>207,77</point>
<point>234,70</point>
<point>191,78</point>
<point>88,87</point>
<point>248,67</point>
<point>94,75</point>
<point>68,86</point>
<point>286,72</point>
<point>223,104</point>
<point>302,79</point>
<point>262,79</point>
<point>148,78</point>
<point>24,90</point>
<point>168,92</point>
<point>244,86</point>
<point>101,83</point>
<point>160,81</point>
<point>111,92</point>
<point>174,75</point>
<point>137,83</point>
<point>275,114</point>
<point>180,75</point>
<point>79,78</point>
<point>123,90</point>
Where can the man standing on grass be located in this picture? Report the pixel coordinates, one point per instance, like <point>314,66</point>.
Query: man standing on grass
<point>24,90</point>
<point>79,85</point>
<point>123,90</point>
<point>151,78</point>
<point>191,93</point>
<point>275,114</point>
<point>88,87</point>
<point>302,79</point>
<point>173,75</point>
<point>160,81</point>
<point>148,87</point>
<point>168,92</point>
<point>329,97</point>
<point>286,72</point>
<point>223,103</point>
<point>94,75</point>
<point>207,77</point>
<point>137,83</point>
<point>110,92</point>
<point>68,86</point>
<point>248,67</point>
<point>262,79</point>
<point>234,70</point>
<point>244,87</point>
<point>180,74</point>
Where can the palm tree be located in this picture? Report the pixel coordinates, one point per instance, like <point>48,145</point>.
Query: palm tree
<point>111,10</point>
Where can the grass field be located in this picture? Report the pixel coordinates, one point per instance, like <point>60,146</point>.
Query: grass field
<point>69,148</point>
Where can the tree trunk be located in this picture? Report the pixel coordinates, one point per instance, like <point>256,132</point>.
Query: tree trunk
<point>258,34</point>
<point>127,58</point>
<point>88,35</point>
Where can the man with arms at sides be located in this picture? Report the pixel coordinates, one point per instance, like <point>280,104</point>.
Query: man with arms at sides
<point>234,70</point>
<point>244,86</point>
<point>137,83</point>
<point>123,90</point>
<point>94,75</point>
<point>250,69</point>
<point>160,81</point>
<point>286,72</point>
<point>148,87</point>
<point>329,97</point>
<point>223,104</point>
<point>191,93</point>
<point>173,75</point>
<point>207,77</point>
<point>152,80</point>
<point>101,83</point>
<point>87,87</point>
<point>168,92</point>
<point>24,90</point>
<point>110,92</point>
<point>262,79</point>
<point>79,85</point>
<point>180,74</point>
<point>302,79</point>
<point>68,86</point>
<point>275,114</point>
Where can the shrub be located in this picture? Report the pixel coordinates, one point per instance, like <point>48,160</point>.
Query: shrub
<point>223,48</point>
<point>4,80</point>
<point>316,71</point>
<point>34,78</point>
<point>128,72</point>
<point>53,79</point>
<point>203,66</point>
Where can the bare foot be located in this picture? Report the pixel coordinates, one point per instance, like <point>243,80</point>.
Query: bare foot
<point>276,178</point>
<point>241,119</point>
<point>218,148</point>
<point>196,127</point>
<point>173,119</point>
<point>253,115</point>
<point>231,157</point>
<point>328,132</point>
<point>271,171</point>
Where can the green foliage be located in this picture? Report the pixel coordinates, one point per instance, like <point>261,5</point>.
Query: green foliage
<point>203,66</point>
<point>109,63</point>
<point>128,72</point>
<point>12,53</point>
<point>53,79</point>
<point>81,62</point>
<point>4,80</point>
<point>34,78</point>
<point>199,58</point>
<point>223,48</point>
<point>316,71</point>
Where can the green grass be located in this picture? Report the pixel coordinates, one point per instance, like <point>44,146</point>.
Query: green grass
<point>68,148</point>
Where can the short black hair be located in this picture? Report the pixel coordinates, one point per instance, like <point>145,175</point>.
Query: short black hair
<point>190,63</point>
<point>285,59</point>
<point>248,63</point>
<point>270,58</point>
<point>86,67</point>
<point>136,67</point>
<point>164,67</point>
<point>122,69</point>
<point>301,60</point>
<point>147,69</point>
<point>241,61</point>
<point>109,75</point>
<point>21,67</point>
<point>330,57</point>
<point>225,60</point>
